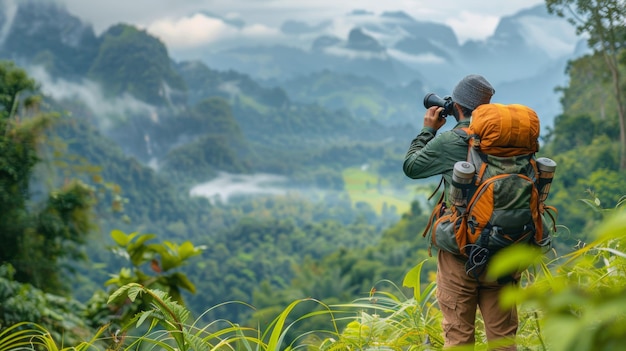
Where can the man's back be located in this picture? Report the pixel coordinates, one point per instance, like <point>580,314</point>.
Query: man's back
<point>458,294</point>
<point>431,155</point>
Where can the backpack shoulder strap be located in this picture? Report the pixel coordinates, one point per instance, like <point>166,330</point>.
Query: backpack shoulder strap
<point>463,132</point>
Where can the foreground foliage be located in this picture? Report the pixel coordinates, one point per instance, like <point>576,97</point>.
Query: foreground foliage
<point>580,302</point>
<point>571,302</point>
<point>36,234</point>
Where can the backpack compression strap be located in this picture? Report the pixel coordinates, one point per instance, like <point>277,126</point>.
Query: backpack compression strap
<point>478,160</point>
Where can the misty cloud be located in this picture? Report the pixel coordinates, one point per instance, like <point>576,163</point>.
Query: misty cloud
<point>471,25</point>
<point>549,36</point>
<point>91,95</point>
<point>180,26</point>
<point>355,54</point>
<point>202,30</point>
<point>227,185</point>
<point>10,9</point>
<point>428,58</point>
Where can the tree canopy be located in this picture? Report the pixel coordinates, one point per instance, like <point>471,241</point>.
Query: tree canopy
<point>604,22</point>
<point>35,235</point>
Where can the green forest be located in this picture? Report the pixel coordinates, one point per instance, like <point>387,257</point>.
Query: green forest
<point>105,247</point>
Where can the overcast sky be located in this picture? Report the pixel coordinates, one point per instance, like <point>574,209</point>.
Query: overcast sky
<point>470,19</point>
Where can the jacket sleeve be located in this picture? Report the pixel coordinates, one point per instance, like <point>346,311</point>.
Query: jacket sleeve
<point>422,160</point>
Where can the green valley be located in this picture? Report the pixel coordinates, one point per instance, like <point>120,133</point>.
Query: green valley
<point>169,203</point>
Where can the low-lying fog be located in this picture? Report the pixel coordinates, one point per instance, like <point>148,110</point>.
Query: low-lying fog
<point>227,185</point>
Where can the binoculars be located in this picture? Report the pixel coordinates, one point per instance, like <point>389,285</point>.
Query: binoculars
<point>431,99</point>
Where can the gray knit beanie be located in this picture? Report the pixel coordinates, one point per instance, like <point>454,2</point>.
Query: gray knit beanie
<point>472,91</point>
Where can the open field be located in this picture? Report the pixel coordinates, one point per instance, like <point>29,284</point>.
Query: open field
<point>367,187</point>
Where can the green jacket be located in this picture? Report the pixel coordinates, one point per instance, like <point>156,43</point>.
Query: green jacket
<point>431,155</point>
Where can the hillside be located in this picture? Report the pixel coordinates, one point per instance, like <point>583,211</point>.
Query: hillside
<point>151,130</point>
<point>291,184</point>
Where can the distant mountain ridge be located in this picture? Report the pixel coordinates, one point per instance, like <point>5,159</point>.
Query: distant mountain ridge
<point>396,50</point>
<point>57,40</point>
<point>430,49</point>
<point>183,118</point>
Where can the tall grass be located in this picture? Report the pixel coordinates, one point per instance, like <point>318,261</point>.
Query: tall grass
<point>571,302</point>
<point>32,336</point>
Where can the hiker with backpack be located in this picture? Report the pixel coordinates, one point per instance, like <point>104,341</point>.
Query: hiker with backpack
<point>491,199</point>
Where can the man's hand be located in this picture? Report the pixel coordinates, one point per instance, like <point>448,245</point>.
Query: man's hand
<point>432,119</point>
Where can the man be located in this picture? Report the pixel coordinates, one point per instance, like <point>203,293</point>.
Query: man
<point>459,295</point>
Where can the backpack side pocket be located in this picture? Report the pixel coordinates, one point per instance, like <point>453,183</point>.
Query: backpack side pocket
<point>444,231</point>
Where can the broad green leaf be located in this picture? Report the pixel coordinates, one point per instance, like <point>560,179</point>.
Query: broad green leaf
<point>134,291</point>
<point>121,291</point>
<point>514,258</point>
<point>413,280</point>
<point>614,226</point>
<point>187,250</point>
<point>119,237</point>
<point>143,238</point>
<point>184,282</point>
<point>138,255</point>
<point>169,261</point>
<point>566,333</point>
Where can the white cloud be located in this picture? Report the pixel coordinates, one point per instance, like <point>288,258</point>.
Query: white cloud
<point>260,31</point>
<point>355,54</point>
<point>472,25</point>
<point>429,58</point>
<point>272,13</point>
<point>191,31</point>
<point>227,185</point>
<point>201,30</point>
<point>181,26</point>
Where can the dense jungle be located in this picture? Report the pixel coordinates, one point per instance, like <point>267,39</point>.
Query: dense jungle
<point>200,209</point>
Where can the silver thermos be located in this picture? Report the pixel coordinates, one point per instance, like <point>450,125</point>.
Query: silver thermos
<point>462,177</point>
<point>546,167</point>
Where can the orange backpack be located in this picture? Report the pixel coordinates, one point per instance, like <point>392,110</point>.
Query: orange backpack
<point>502,205</point>
<point>505,130</point>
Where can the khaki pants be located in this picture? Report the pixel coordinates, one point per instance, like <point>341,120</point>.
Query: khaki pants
<point>459,296</point>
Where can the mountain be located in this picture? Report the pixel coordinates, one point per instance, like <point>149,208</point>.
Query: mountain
<point>364,96</point>
<point>332,120</point>
<point>131,61</point>
<point>530,39</point>
<point>184,118</point>
<point>288,105</point>
<point>48,36</point>
<point>397,50</point>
